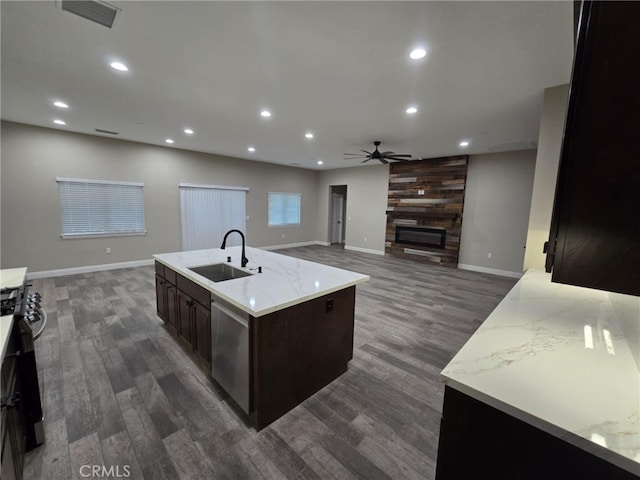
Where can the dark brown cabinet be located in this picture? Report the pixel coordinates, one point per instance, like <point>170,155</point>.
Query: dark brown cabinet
<point>288,354</point>
<point>299,350</point>
<point>166,297</point>
<point>595,232</point>
<point>185,317</point>
<point>480,441</point>
<point>186,310</point>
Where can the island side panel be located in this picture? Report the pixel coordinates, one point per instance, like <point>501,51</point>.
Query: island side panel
<point>480,441</point>
<point>299,350</point>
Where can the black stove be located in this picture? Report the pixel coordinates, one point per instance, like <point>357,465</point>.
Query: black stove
<point>22,418</point>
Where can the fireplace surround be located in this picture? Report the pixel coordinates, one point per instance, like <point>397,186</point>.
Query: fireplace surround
<point>424,209</point>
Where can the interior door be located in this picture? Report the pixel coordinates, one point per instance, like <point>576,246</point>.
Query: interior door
<point>337,209</point>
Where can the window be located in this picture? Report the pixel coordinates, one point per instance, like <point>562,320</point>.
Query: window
<point>95,208</point>
<point>284,209</point>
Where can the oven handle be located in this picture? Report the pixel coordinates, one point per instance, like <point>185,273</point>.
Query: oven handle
<point>43,316</point>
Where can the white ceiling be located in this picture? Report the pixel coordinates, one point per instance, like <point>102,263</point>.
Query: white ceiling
<point>338,69</point>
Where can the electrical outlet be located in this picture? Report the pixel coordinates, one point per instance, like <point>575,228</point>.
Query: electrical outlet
<point>328,305</point>
<point>489,255</point>
<point>365,239</point>
<point>283,235</point>
<point>108,249</point>
<point>420,192</point>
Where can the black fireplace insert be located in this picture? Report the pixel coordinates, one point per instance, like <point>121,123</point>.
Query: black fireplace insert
<point>421,236</point>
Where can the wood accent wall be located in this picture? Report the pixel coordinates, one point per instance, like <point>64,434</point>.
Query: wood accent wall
<point>443,181</point>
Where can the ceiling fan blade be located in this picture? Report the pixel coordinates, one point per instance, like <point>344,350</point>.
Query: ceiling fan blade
<point>387,153</point>
<point>365,160</point>
<point>383,160</point>
<point>399,159</point>
<point>368,153</point>
<point>398,156</point>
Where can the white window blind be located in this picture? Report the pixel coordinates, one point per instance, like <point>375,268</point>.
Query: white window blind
<point>100,208</point>
<point>208,212</point>
<point>284,209</point>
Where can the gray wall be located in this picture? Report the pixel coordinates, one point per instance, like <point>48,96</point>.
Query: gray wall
<point>496,211</point>
<point>367,189</point>
<point>495,215</point>
<point>33,157</point>
<point>554,111</point>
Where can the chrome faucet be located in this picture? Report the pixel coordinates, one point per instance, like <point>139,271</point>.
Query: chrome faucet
<point>245,260</point>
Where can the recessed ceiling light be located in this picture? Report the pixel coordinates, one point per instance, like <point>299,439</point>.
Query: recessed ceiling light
<point>418,53</point>
<point>60,104</point>
<point>188,131</point>
<point>119,66</point>
<point>59,122</point>
<point>411,110</point>
<point>168,140</point>
<point>319,162</point>
<point>251,149</point>
<point>464,143</point>
<point>308,135</point>
<point>265,113</point>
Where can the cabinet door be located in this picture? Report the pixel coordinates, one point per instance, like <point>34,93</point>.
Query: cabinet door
<point>172,307</point>
<point>184,319</point>
<point>594,239</point>
<point>161,298</point>
<point>202,332</point>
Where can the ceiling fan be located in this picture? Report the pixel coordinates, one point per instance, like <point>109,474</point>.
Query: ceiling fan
<point>377,155</point>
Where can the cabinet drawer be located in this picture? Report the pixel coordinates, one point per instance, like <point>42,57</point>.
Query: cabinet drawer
<point>170,275</point>
<point>159,269</point>
<point>166,273</point>
<point>199,294</point>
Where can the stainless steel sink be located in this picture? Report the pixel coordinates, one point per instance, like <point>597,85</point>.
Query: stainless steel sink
<point>219,272</point>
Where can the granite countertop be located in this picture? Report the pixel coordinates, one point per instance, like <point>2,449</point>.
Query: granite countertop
<point>564,359</point>
<point>9,278</point>
<point>284,281</point>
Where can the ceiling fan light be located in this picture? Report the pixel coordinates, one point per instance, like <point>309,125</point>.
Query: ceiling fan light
<point>411,110</point>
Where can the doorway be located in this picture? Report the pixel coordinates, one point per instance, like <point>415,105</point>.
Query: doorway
<point>337,214</point>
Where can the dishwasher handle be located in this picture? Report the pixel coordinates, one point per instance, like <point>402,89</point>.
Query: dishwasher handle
<point>231,314</point>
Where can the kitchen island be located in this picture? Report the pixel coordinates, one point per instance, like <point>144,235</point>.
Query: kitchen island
<point>547,387</point>
<point>271,334</point>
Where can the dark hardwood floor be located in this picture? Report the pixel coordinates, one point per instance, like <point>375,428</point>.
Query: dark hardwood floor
<point>120,393</point>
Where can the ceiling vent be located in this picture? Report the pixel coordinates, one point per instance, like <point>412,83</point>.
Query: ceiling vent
<point>98,12</point>
<point>99,130</point>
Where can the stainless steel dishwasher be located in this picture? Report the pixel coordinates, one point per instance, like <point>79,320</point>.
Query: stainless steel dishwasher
<point>230,350</point>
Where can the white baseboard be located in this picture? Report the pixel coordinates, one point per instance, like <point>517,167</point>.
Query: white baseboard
<point>493,271</point>
<point>293,245</point>
<point>89,268</point>
<point>364,250</point>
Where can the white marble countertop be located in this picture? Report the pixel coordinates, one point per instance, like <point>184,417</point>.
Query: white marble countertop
<point>284,281</point>
<point>563,359</point>
<point>9,278</point>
